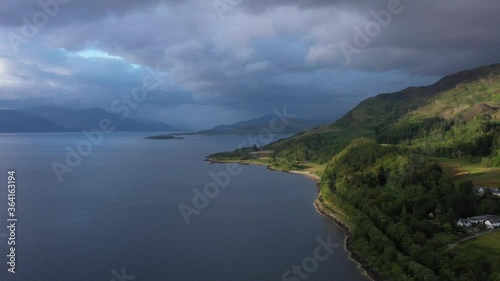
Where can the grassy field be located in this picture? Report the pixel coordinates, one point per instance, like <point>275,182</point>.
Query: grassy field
<point>470,169</point>
<point>264,158</point>
<point>488,244</point>
<point>313,168</point>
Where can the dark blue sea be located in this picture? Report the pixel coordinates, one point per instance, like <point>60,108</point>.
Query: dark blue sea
<point>116,216</point>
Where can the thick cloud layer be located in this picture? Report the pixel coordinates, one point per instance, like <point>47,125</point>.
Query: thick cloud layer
<point>235,59</point>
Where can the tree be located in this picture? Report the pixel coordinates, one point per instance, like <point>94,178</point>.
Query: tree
<point>451,218</point>
<point>487,206</point>
<point>466,188</point>
<point>419,238</point>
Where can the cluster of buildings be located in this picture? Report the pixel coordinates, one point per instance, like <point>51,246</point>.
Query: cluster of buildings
<point>490,221</point>
<point>482,189</point>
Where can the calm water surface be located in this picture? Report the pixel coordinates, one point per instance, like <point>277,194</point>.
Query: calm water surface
<point>119,209</point>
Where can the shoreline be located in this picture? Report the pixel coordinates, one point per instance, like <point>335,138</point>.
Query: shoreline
<point>362,265</point>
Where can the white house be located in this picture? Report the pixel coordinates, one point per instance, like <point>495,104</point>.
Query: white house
<point>490,221</point>
<point>481,190</point>
<point>496,191</point>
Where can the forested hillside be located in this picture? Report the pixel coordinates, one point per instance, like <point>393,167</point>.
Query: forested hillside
<point>457,116</point>
<point>402,168</point>
<point>405,211</point>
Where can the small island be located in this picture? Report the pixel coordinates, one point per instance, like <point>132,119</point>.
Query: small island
<point>164,137</point>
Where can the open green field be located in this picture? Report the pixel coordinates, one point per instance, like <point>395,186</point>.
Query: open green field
<point>313,168</point>
<point>469,169</point>
<point>486,246</point>
<point>489,242</point>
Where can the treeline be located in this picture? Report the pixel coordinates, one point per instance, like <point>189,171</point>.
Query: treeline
<point>402,131</point>
<point>238,154</point>
<point>318,148</point>
<point>443,138</point>
<point>402,208</point>
<point>435,136</point>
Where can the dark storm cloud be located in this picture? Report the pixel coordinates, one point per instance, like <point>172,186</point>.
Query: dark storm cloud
<point>263,53</point>
<point>12,12</point>
<point>437,37</point>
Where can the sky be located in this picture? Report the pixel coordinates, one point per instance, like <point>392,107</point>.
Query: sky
<point>220,61</point>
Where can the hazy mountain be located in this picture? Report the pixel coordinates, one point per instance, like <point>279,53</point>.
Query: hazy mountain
<point>157,125</point>
<point>253,126</point>
<point>77,120</point>
<point>12,121</point>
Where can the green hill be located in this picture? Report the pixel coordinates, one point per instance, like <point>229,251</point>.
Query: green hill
<point>404,211</point>
<point>401,169</point>
<point>416,113</point>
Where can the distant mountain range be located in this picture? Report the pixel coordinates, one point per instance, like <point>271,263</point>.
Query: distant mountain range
<point>253,126</point>
<point>58,119</point>
<point>12,121</point>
